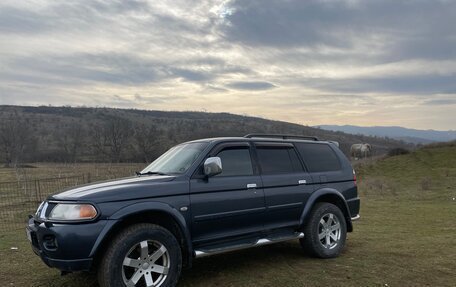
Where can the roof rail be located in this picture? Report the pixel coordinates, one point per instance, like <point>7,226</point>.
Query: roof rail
<point>281,136</point>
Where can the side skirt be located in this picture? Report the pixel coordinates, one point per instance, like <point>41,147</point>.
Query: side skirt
<point>259,242</point>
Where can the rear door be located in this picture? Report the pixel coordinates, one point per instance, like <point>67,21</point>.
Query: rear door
<point>230,204</point>
<point>329,167</point>
<point>286,184</point>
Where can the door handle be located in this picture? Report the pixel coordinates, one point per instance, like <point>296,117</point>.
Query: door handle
<point>251,185</point>
<point>302,181</point>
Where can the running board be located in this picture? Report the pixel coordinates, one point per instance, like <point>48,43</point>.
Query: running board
<point>260,242</point>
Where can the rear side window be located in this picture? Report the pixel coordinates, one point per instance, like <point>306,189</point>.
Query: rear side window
<point>319,157</point>
<point>276,160</point>
<point>236,161</point>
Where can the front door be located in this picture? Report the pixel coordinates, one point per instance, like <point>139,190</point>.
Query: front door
<point>231,204</point>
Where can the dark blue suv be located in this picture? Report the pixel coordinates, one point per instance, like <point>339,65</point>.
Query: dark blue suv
<point>201,198</point>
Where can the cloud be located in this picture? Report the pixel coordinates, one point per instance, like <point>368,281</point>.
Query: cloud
<point>120,69</point>
<point>191,75</point>
<point>114,68</point>
<point>407,29</point>
<point>252,86</point>
<point>417,85</point>
<point>441,102</point>
<point>337,62</point>
<point>15,20</point>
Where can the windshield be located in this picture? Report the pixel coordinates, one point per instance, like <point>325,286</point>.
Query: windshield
<point>176,160</point>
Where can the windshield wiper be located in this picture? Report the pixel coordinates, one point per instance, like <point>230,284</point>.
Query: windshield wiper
<point>151,173</point>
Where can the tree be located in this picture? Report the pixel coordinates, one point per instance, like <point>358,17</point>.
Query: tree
<point>14,137</point>
<point>70,140</point>
<point>146,141</point>
<point>112,139</point>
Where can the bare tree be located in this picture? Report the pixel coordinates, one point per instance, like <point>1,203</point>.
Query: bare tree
<point>112,139</point>
<point>14,137</point>
<point>99,142</point>
<point>146,141</point>
<point>119,131</point>
<point>70,140</point>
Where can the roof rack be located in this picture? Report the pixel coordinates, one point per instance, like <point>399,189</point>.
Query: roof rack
<point>281,136</point>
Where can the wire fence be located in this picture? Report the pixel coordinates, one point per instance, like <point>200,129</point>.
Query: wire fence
<point>22,195</point>
<point>18,199</point>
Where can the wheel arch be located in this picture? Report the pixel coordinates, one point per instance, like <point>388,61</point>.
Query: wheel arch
<point>329,195</point>
<point>147,212</point>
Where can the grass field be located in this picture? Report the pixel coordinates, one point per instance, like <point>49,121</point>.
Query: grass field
<point>406,237</point>
<point>52,170</point>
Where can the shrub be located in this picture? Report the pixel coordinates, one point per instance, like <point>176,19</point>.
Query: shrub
<point>398,151</point>
<point>440,144</point>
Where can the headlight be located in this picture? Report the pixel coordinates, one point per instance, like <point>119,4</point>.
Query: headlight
<point>64,211</point>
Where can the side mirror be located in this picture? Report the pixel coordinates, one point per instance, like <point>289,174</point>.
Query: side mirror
<point>212,166</point>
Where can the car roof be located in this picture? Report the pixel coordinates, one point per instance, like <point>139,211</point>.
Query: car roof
<point>256,139</point>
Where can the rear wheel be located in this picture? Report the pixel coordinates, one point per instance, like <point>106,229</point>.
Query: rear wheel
<point>143,255</point>
<point>325,232</point>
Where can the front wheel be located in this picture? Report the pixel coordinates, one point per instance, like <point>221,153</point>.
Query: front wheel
<point>325,232</point>
<point>143,255</point>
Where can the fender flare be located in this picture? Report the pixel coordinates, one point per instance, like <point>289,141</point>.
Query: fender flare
<point>316,196</point>
<point>149,206</point>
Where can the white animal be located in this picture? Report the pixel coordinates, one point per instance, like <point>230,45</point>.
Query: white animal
<point>361,150</point>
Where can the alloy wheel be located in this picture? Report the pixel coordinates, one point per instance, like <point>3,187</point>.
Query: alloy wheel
<point>329,231</point>
<point>146,265</point>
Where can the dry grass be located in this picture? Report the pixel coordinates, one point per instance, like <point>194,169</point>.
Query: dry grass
<point>52,170</point>
<point>398,243</point>
<point>404,238</point>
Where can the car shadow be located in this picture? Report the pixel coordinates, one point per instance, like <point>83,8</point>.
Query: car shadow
<point>205,270</point>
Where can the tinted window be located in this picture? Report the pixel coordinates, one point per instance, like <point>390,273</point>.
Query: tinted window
<point>275,160</point>
<point>318,157</point>
<point>236,162</point>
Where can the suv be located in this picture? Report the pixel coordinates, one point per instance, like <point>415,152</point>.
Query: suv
<point>200,198</point>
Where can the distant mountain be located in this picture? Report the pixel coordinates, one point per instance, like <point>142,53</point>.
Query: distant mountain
<point>399,133</point>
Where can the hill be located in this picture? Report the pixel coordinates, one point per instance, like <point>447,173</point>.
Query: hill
<point>426,173</point>
<point>75,134</point>
<point>399,133</point>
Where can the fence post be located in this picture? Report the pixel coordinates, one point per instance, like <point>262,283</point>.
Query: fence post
<point>37,190</point>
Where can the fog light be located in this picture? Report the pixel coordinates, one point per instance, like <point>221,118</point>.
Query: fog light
<point>50,242</point>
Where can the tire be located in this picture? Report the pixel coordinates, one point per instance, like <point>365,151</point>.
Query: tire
<point>126,260</point>
<point>317,231</point>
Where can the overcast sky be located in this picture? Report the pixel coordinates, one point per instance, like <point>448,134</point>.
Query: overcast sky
<point>385,62</point>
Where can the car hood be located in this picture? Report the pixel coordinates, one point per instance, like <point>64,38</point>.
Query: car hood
<point>122,189</point>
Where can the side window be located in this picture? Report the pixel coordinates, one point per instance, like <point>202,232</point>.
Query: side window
<point>319,157</point>
<point>276,160</point>
<point>236,161</point>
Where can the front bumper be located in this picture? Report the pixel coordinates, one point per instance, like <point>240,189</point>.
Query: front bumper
<point>67,247</point>
<point>68,265</point>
